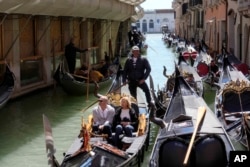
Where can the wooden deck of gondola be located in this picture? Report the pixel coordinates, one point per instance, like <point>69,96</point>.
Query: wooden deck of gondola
<point>136,145</point>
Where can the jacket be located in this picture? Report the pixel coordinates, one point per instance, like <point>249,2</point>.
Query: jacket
<point>136,72</point>
<point>133,118</point>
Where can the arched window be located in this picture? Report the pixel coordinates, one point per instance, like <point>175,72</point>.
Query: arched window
<point>144,26</point>
<point>151,24</point>
<point>138,25</point>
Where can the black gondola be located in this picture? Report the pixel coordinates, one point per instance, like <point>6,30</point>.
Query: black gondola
<point>163,95</point>
<point>6,86</point>
<point>91,149</point>
<point>79,85</point>
<point>232,104</point>
<point>183,131</point>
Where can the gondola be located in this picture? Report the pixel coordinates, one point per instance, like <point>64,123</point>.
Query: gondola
<point>163,95</point>
<point>79,85</point>
<point>243,67</point>
<point>90,149</point>
<point>187,138</point>
<point>199,60</point>
<point>232,104</point>
<point>7,85</point>
<point>191,76</point>
<point>201,64</point>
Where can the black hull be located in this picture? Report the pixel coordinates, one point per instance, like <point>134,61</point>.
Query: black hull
<point>6,87</point>
<point>78,86</point>
<point>180,119</point>
<point>232,104</point>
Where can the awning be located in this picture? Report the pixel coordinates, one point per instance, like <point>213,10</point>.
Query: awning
<point>118,10</point>
<point>139,13</point>
<point>132,2</point>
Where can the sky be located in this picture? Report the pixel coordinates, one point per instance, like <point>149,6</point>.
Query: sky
<point>157,4</point>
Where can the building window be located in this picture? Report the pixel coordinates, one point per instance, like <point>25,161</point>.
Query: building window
<point>138,24</point>
<point>165,20</point>
<point>144,26</point>
<point>151,24</point>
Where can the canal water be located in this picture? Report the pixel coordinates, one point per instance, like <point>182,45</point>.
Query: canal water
<point>22,137</point>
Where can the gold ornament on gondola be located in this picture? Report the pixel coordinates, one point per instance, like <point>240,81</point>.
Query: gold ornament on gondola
<point>114,98</point>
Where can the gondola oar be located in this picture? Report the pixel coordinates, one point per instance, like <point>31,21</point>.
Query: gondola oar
<point>49,141</point>
<point>200,116</point>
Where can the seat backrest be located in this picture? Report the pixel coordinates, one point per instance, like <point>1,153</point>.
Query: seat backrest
<point>210,151</point>
<point>172,153</point>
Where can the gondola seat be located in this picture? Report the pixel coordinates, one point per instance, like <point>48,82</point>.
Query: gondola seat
<point>172,153</point>
<point>210,151</point>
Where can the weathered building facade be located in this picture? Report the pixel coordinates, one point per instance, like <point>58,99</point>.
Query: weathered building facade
<point>216,22</point>
<point>33,35</point>
<point>153,20</point>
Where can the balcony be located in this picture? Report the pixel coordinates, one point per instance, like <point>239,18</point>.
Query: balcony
<point>193,3</point>
<point>244,8</point>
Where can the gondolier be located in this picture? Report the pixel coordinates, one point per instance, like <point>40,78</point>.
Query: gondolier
<point>136,71</point>
<point>70,54</point>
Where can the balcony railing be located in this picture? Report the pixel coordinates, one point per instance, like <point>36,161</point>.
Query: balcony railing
<point>195,2</point>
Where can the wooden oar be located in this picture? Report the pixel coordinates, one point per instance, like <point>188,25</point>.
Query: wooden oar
<point>200,116</point>
<point>49,142</point>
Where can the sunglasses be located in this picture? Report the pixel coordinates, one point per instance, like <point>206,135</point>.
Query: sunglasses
<point>100,100</point>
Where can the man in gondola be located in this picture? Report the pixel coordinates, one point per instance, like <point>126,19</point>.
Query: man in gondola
<point>136,71</point>
<point>214,72</point>
<point>70,54</point>
<point>103,115</point>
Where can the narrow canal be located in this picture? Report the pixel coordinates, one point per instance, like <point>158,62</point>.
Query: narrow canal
<point>22,139</point>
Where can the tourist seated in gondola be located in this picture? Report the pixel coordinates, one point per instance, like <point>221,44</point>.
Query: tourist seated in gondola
<point>94,75</point>
<point>125,121</point>
<point>103,116</point>
<point>190,80</point>
<point>83,70</point>
<point>214,72</point>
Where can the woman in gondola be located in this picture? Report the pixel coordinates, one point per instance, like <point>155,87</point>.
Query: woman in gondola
<point>125,121</point>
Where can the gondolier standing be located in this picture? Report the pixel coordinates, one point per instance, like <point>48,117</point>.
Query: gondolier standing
<point>136,71</point>
<point>70,54</point>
